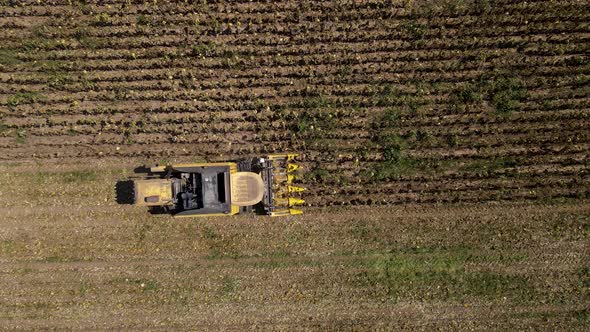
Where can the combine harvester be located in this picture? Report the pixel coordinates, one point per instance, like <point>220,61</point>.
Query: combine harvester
<point>222,188</point>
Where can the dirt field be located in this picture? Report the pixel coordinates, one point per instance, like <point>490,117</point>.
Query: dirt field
<point>456,101</point>
<point>445,147</point>
<point>71,257</point>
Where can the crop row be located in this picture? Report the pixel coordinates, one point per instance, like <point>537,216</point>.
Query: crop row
<point>286,9</point>
<point>26,105</point>
<point>255,41</point>
<point>345,63</point>
<point>348,149</point>
<point>396,50</point>
<point>335,143</point>
<point>430,72</point>
<point>330,75</point>
<point>458,126</point>
<point>531,181</point>
<point>540,193</point>
<point>402,30</point>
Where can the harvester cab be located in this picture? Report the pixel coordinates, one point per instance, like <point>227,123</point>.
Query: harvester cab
<point>264,184</point>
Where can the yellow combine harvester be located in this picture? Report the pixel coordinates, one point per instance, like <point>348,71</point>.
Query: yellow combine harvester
<point>223,188</point>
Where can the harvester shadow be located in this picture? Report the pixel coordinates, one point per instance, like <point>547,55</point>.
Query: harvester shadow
<point>142,170</point>
<point>124,190</point>
<point>158,210</point>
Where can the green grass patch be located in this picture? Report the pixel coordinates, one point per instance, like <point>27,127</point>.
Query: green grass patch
<point>438,274</point>
<point>142,20</point>
<point>582,316</point>
<point>39,39</point>
<point>318,174</point>
<point>386,170</point>
<point>386,96</point>
<point>544,315</point>
<point>203,49</point>
<point>208,233</point>
<point>93,42</point>
<point>54,259</point>
<point>229,286</point>
<point>577,318</point>
<point>280,253</point>
<point>391,145</point>
<point>57,73</point>
<point>387,119</point>
<point>281,263</point>
<point>414,29</point>
<point>145,285</point>
<point>571,226</point>
<point>481,6</point>
<point>319,101</point>
<point>365,232</point>
<point>503,91</point>
<point>486,166</point>
<point>21,136</point>
<point>149,286</point>
<point>469,94</point>
<point>3,128</point>
<point>25,271</point>
<point>143,229</point>
<point>273,264</point>
<point>344,71</point>
<point>389,96</point>
<point>9,57</point>
<point>314,126</point>
<point>20,98</point>
<point>302,125</point>
<point>80,33</point>
<point>85,288</point>
<point>101,19</point>
<point>52,66</point>
<point>395,162</point>
<point>6,247</point>
<point>79,176</point>
<point>584,274</point>
<point>219,246</point>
